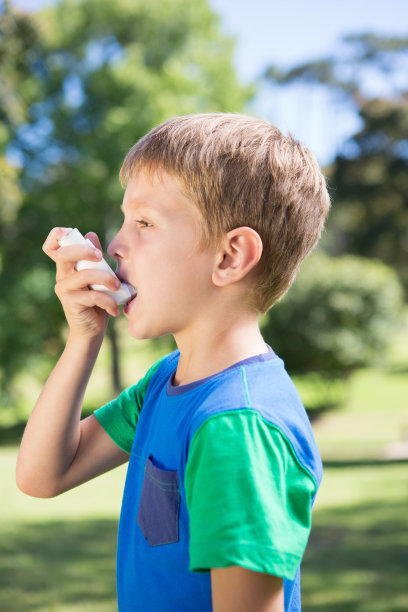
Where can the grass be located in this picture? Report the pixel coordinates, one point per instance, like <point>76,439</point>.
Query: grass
<point>59,555</point>
<point>61,566</point>
<point>357,557</point>
<point>373,418</point>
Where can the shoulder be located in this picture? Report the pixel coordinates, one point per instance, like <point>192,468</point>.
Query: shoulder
<point>275,397</point>
<point>246,437</point>
<point>162,368</point>
<point>243,471</point>
<point>120,416</point>
<point>263,391</point>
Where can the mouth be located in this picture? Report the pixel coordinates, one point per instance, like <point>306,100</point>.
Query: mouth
<point>128,304</point>
<point>129,289</point>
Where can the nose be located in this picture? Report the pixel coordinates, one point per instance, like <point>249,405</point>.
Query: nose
<point>114,249</point>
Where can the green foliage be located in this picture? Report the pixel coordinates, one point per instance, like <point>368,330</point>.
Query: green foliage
<point>17,41</point>
<point>369,177</point>
<point>18,46</point>
<point>359,58</point>
<point>340,314</point>
<point>370,216</point>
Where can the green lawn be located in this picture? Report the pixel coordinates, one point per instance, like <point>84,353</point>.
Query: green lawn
<point>373,419</point>
<point>357,558</point>
<point>59,555</point>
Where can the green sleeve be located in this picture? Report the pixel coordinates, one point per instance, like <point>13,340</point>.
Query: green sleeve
<point>119,417</point>
<point>248,497</point>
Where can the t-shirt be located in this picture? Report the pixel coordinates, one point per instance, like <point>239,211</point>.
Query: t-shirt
<point>222,472</point>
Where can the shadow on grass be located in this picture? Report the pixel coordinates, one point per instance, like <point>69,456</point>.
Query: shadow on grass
<point>357,559</point>
<point>58,566</point>
<point>357,463</point>
<point>398,370</point>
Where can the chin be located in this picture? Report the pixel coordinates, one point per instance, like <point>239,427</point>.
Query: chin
<point>140,332</point>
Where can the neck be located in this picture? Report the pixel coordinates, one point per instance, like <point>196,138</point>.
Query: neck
<point>210,350</point>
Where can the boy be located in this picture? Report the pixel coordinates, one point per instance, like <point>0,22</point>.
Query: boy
<point>219,212</point>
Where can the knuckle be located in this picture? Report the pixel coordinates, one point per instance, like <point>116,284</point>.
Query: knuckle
<point>113,283</point>
<point>83,277</point>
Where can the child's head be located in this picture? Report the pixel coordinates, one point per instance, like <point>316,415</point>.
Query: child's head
<point>241,171</point>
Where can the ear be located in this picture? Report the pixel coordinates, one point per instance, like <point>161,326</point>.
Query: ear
<point>240,251</point>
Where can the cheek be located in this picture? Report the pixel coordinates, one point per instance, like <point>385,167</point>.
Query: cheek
<point>194,278</point>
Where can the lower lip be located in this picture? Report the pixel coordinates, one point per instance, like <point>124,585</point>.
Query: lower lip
<point>127,307</point>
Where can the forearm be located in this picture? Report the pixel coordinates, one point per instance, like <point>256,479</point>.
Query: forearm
<point>52,434</point>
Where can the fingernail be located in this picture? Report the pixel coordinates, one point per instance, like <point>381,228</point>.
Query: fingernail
<point>98,253</point>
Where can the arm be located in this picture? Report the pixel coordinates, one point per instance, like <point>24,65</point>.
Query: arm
<point>58,450</point>
<point>237,589</point>
<point>249,504</point>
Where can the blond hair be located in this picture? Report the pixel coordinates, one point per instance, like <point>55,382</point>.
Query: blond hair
<point>242,171</point>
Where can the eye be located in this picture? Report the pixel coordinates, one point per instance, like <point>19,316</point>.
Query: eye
<point>142,223</point>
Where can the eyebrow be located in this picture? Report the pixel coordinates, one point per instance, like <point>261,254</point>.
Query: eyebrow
<point>140,204</point>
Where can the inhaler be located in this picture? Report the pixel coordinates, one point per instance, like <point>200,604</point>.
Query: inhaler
<point>122,295</point>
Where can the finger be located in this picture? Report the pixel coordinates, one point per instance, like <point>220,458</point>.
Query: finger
<point>67,257</point>
<point>94,239</point>
<point>88,276</point>
<point>75,300</point>
<point>51,245</point>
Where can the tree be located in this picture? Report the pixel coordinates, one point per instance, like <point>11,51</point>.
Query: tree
<point>370,216</point>
<point>342,313</point>
<point>107,73</point>
<point>360,61</point>
<point>18,90</point>
<point>339,315</point>
<point>369,176</point>
<point>17,41</point>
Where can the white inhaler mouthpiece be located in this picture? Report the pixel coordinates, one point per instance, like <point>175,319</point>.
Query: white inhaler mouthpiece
<point>122,295</point>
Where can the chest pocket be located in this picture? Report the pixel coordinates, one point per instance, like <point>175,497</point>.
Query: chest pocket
<point>158,514</point>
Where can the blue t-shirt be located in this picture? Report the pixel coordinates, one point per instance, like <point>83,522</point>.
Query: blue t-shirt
<point>222,472</point>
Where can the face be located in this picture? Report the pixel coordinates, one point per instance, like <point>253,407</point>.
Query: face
<point>157,252</point>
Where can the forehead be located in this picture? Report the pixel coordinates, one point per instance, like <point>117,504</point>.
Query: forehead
<point>159,192</point>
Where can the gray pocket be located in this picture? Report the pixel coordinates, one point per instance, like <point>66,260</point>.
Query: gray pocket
<point>158,514</point>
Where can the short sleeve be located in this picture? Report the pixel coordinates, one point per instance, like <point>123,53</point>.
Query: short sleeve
<point>249,498</point>
<point>119,417</point>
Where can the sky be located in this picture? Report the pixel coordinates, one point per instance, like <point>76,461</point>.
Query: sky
<point>289,32</point>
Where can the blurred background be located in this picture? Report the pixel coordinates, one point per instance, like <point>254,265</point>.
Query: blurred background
<point>80,82</point>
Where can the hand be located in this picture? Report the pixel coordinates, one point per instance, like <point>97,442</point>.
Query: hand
<point>86,310</point>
